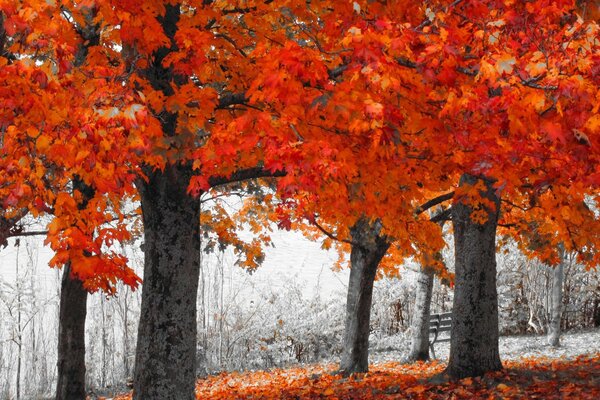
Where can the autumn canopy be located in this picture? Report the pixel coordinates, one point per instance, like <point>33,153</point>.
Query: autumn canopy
<point>361,110</point>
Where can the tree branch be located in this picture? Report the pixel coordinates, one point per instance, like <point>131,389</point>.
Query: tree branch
<point>28,233</point>
<point>510,203</point>
<point>442,216</point>
<point>244,175</point>
<point>8,226</point>
<point>331,235</point>
<point>434,202</point>
<point>405,62</point>
<point>337,71</point>
<point>532,83</point>
<point>231,99</point>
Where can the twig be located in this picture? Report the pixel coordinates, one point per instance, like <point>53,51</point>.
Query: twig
<point>331,235</point>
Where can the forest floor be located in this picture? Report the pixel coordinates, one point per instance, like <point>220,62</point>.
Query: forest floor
<point>513,348</point>
<point>532,370</point>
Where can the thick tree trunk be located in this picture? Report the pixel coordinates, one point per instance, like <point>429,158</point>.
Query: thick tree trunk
<point>474,335</point>
<point>420,323</point>
<point>165,363</point>
<point>71,338</point>
<point>367,251</point>
<point>557,299</point>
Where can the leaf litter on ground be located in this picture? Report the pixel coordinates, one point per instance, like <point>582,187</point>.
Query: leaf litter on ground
<point>540,372</point>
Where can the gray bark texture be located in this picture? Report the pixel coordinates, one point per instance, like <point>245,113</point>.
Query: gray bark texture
<point>165,363</point>
<point>419,350</point>
<point>71,324</point>
<point>71,338</point>
<point>368,249</point>
<point>474,335</point>
<point>557,299</point>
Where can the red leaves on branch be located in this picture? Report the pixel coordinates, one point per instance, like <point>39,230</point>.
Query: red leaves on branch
<point>371,108</point>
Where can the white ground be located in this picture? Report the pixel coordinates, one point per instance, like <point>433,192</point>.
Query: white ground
<point>573,344</point>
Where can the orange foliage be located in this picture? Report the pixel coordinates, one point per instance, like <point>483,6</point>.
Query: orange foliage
<point>524,379</point>
<point>428,91</point>
<point>370,108</point>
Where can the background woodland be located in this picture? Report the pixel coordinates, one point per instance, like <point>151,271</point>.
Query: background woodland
<point>282,327</point>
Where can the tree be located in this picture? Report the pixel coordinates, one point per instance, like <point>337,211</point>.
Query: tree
<point>365,107</point>
<point>46,189</point>
<point>115,155</point>
<point>368,248</point>
<point>473,97</point>
<point>73,295</point>
<point>369,242</point>
<point>485,118</point>
<point>474,334</point>
<point>554,327</point>
<point>419,348</point>
<point>72,315</point>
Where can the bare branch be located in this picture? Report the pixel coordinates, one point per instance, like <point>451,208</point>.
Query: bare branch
<point>442,216</point>
<point>232,42</point>
<point>532,83</point>
<point>244,175</point>
<point>331,235</point>
<point>337,71</point>
<point>231,99</point>
<point>405,62</point>
<point>29,233</point>
<point>433,202</point>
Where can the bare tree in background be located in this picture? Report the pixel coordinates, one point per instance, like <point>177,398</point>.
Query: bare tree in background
<point>419,349</point>
<point>556,299</point>
<point>420,322</point>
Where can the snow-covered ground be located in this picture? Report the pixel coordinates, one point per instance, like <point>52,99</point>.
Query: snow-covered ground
<point>573,344</point>
<point>292,257</point>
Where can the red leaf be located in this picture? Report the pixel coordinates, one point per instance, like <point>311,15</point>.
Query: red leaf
<point>554,131</point>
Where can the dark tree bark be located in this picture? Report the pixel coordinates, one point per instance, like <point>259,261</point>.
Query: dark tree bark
<point>71,338</point>
<point>165,363</point>
<point>71,331</point>
<point>474,336</point>
<point>419,350</point>
<point>368,249</point>
<point>165,360</point>
<point>557,299</point>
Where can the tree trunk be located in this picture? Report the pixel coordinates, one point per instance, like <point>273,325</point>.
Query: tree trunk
<point>73,297</point>
<point>71,338</point>
<point>474,335</point>
<point>368,249</point>
<point>165,362</point>
<point>420,323</point>
<point>557,298</point>
<point>72,315</point>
